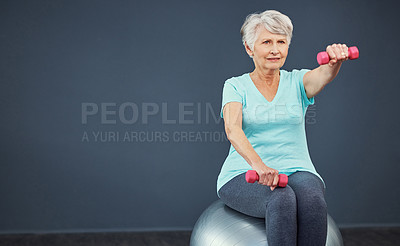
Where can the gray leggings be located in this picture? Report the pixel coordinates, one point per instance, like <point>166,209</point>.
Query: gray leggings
<point>295,215</point>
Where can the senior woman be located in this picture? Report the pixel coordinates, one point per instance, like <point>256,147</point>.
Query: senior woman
<point>264,114</point>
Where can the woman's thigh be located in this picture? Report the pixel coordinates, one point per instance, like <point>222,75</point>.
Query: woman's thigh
<point>253,199</point>
<point>305,183</point>
<point>310,193</point>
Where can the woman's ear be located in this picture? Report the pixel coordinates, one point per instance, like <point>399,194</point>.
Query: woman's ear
<point>248,50</point>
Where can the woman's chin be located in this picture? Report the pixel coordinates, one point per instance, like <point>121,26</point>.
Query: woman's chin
<point>273,67</point>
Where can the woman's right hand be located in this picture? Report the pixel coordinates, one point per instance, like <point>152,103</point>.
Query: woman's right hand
<point>267,176</point>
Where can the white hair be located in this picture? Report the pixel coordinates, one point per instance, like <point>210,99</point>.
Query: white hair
<point>274,21</point>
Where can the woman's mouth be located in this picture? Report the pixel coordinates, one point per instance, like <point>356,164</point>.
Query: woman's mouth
<point>273,59</point>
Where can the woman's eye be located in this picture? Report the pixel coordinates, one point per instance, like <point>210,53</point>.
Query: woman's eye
<point>266,42</point>
<point>282,42</point>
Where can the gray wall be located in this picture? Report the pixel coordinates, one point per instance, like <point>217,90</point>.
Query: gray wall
<point>146,64</point>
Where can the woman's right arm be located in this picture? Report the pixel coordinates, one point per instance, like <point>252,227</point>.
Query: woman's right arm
<point>232,113</point>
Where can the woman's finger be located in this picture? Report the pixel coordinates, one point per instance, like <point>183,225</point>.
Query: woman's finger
<point>276,180</point>
<point>274,177</point>
<point>345,52</point>
<point>268,179</point>
<point>340,52</point>
<point>262,178</point>
<point>337,48</point>
<point>332,54</point>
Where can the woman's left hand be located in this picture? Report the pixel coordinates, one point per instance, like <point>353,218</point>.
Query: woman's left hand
<point>338,53</point>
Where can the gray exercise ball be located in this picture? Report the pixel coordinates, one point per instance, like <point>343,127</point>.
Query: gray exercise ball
<point>223,226</point>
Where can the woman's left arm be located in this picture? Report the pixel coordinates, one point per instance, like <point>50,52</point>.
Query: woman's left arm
<point>315,80</point>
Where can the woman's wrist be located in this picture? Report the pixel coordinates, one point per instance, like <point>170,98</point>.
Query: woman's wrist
<point>257,164</point>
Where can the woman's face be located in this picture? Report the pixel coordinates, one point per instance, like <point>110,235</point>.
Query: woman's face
<point>270,50</point>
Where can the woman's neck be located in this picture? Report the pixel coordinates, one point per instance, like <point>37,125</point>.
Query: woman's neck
<point>270,77</point>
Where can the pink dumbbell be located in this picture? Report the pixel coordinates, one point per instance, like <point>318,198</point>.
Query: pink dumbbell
<point>323,57</point>
<point>252,176</point>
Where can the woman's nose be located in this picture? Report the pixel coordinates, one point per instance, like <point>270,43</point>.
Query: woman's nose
<point>274,52</point>
<point>274,49</point>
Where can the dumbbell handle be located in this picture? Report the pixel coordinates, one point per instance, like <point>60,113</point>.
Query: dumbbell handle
<point>323,57</point>
<point>252,176</point>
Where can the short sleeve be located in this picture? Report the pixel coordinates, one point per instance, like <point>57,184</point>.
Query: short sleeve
<point>230,94</point>
<point>306,101</point>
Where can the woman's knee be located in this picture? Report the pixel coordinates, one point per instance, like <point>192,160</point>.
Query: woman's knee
<point>313,203</point>
<point>319,201</point>
<point>282,199</point>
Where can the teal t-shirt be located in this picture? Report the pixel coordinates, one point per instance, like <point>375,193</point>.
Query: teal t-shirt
<point>275,129</point>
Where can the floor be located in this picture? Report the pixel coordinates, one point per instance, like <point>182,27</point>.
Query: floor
<point>352,237</point>
<point>371,236</point>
